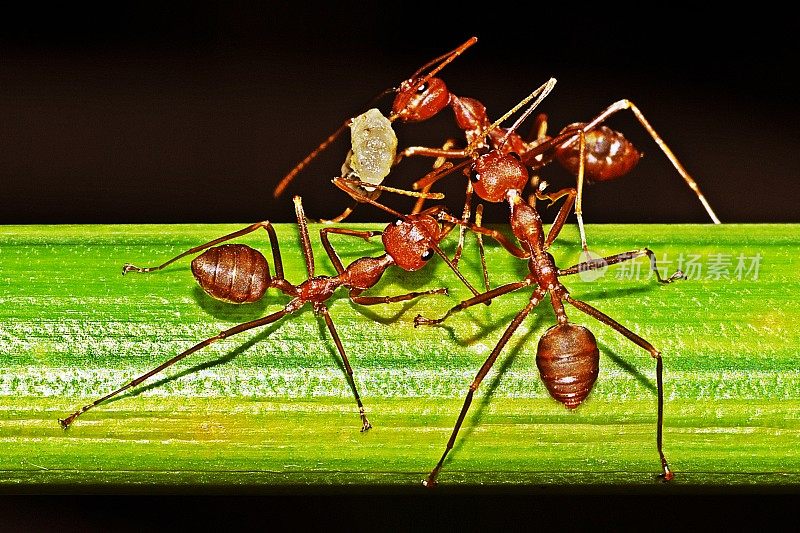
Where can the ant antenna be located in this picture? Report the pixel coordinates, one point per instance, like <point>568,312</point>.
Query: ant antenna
<point>542,91</point>
<point>323,145</point>
<point>443,60</point>
<point>440,62</point>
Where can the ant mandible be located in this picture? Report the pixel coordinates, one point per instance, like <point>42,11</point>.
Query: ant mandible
<point>373,150</point>
<point>567,355</point>
<point>238,273</point>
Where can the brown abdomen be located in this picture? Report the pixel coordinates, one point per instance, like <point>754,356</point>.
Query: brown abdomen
<point>609,155</point>
<point>568,361</point>
<point>232,272</point>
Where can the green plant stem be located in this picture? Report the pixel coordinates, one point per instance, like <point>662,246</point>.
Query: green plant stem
<point>271,407</point>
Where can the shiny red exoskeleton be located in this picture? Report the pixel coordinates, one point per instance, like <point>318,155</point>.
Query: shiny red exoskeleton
<point>567,355</point>
<point>425,100</point>
<point>238,273</point>
<point>591,151</point>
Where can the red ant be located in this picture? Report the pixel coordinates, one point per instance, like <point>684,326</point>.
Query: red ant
<point>238,273</point>
<point>589,150</point>
<point>373,141</point>
<point>567,355</point>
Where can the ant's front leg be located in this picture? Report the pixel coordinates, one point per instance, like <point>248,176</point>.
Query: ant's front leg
<point>331,251</point>
<point>487,296</point>
<point>602,262</point>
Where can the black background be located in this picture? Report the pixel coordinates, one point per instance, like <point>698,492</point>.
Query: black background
<point>191,112</point>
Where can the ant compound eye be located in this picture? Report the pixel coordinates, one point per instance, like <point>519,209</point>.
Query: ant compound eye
<point>515,155</point>
<point>474,176</point>
<point>398,222</point>
<point>427,254</point>
<point>422,88</point>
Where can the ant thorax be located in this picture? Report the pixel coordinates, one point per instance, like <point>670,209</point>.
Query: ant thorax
<point>373,148</point>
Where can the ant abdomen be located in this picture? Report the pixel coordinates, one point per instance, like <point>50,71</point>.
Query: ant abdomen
<point>609,155</point>
<point>568,361</point>
<point>232,272</point>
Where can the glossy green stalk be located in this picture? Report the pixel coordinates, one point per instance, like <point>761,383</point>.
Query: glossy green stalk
<point>271,408</point>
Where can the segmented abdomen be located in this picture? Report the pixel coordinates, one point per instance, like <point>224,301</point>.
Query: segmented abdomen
<point>568,362</point>
<point>232,272</point>
<point>609,155</point>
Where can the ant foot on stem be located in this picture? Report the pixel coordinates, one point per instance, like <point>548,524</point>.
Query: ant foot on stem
<point>666,476</point>
<point>127,267</point>
<point>421,320</point>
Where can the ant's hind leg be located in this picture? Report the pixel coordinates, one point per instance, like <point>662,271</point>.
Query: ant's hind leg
<point>666,473</point>
<point>273,239</point>
<point>602,262</point>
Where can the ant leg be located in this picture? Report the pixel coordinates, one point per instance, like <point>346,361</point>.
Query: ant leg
<point>424,151</point>
<point>305,241</point>
<point>596,264</point>
<point>334,257</point>
<point>465,214</point>
<point>479,299</point>
<point>350,186</point>
<point>343,184</point>
<point>627,104</point>
<point>479,238</point>
<point>504,241</point>
<point>563,212</point>
<point>666,474</point>
<point>323,310</point>
<point>355,297</point>
<point>449,143</point>
<point>273,239</point>
<point>302,164</point>
<point>579,199</point>
<point>289,308</point>
<point>341,216</point>
<point>536,297</point>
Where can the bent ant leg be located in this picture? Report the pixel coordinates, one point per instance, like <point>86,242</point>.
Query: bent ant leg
<point>479,299</point>
<point>536,297</point>
<point>341,216</point>
<point>273,240</point>
<point>448,144</point>
<point>623,104</point>
<point>355,297</point>
<point>479,238</point>
<point>371,192</point>
<point>322,309</point>
<point>595,264</point>
<point>289,308</point>
<point>562,215</point>
<point>666,473</point>
<point>504,241</point>
<point>326,243</point>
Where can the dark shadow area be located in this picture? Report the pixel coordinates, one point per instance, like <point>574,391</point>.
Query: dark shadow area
<point>192,112</point>
<point>196,368</point>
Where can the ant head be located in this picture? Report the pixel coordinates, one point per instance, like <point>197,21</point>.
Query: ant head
<point>495,174</point>
<point>422,96</point>
<point>499,171</point>
<point>420,99</point>
<point>412,240</point>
